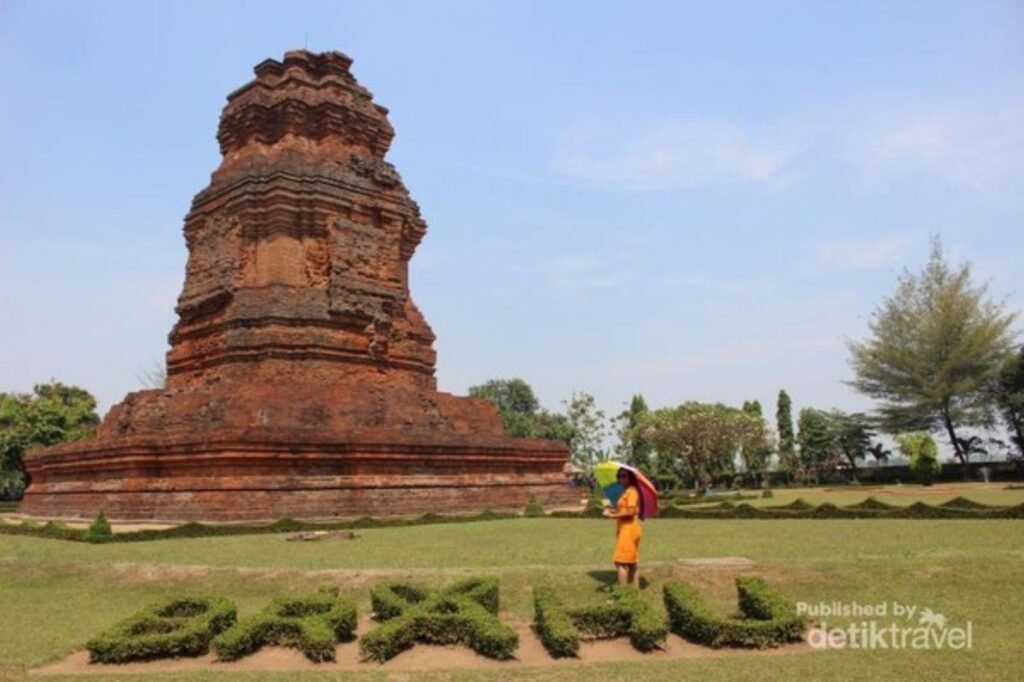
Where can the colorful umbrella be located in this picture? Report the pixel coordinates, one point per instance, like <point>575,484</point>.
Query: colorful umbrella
<point>607,474</point>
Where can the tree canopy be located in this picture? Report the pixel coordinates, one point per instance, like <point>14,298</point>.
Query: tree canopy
<point>934,349</point>
<point>520,410</point>
<point>1009,396</point>
<point>53,413</point>
<point>699,441</point>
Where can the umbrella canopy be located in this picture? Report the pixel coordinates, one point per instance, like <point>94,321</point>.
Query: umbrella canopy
<point>607,474</point>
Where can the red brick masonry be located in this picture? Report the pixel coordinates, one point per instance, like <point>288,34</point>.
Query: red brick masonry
<point>301,374</point>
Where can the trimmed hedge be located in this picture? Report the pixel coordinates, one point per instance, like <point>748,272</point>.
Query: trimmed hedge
<point>200,530</point>
<point>867,509</point>
<point>769,620</point>
<point>165,629</point>
<point>534,509</point>
<point>311,624</point>
<point>626,614</point>
<point>464,613</point>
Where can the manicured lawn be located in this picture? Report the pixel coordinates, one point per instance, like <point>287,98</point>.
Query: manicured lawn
<point>56,594</point>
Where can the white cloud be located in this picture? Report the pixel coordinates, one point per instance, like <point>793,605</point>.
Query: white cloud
<point>675,156</point>
<point>572,273</point>
<point>979,148</point>
<point>865,254</point>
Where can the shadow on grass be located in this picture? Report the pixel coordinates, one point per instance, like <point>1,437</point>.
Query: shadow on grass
<point>606,579</point>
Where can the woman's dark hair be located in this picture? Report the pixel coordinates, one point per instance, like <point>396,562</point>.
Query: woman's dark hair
<point>636,484</point>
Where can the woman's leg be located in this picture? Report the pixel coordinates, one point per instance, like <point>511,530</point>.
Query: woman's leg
<point>623,573</point>
<point>634,575</point>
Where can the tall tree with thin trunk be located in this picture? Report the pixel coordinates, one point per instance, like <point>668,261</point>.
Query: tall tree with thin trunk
<point>787,442</point>
<point>1009,396</point>
<point>934,350</point>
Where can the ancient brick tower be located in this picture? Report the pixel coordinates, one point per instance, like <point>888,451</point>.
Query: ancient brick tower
<point>300,380</point>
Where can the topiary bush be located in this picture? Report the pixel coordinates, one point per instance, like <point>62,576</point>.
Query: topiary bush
<point>769,620</point>
<point>767,493</point>
<point>533,508</point>
<point>99,530</point>
<point>464,613</point>
<point>625,614</point>
<point>311,624</point>
<point>165,629</point>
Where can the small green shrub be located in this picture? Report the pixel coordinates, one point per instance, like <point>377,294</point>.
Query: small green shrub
<point>625,614</point>
<point>920,449</point>
<point>99,530</point>
<point>594,508</point>
<point>769,619</point>
<point>168,628</point>
<point>767,493</point>
<point>311,624</point>
<point>871,504</point>
<point>533,508</point>
<point>964,503</point>
<point>464,613</point>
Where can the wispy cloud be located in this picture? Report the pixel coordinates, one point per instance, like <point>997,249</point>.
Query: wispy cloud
<point>980,148</point>
<point>673,157</point>
<point>865,254</point>
<point>572,273</point>
<point>731,355</point>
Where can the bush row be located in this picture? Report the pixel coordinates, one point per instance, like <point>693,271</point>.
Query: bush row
<point>58,531</point>
<point>625,614</point>
<point>871,508</point>
<point>311,624</point>
<point>769,620</point>
<point>169,628</point>
<point>465,613</point>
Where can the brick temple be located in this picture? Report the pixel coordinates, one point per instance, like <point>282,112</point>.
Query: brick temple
<point>300,379</point>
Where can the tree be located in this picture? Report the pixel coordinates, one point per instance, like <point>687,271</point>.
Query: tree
<point>788,460</point>
<point>1008,393</point>
<point>920,449</point>
<point>52,414</point>
<point>852,434</point>
<point>698,441</point>
<point>520,410</point>
<point>879,452</point>
<point>632,448</point>
<point>758,451</point>
<point>587,423</point>
<point>817,439</point>
<point>935,346</point>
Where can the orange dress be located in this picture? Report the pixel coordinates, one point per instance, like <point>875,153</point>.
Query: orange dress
<point>628,530</point>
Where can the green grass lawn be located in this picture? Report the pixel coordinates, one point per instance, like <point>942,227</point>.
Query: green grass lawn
<point>56,594</point>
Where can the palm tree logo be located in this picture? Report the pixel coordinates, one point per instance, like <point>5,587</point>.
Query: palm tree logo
<point>929,618</point>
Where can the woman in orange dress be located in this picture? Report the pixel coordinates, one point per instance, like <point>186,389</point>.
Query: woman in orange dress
<point>627,530</point>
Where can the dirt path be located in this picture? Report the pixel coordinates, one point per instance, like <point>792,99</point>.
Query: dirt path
<point>531,654</point>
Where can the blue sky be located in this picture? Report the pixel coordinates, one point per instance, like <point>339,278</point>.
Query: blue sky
<point>691,201</point>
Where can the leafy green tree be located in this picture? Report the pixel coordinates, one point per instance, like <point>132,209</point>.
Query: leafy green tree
<point>920,449</point>
<point>699,441</point>
<point>788,460</point>
<point>935,347</point>
<point>53,413</point>
<point>759,450</point>
<point>520,410</point>
<point>1009,396</point>
<point>852,434</point>
<point>587,422</point>
<point>816,437</point>
<point>632,448</point>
